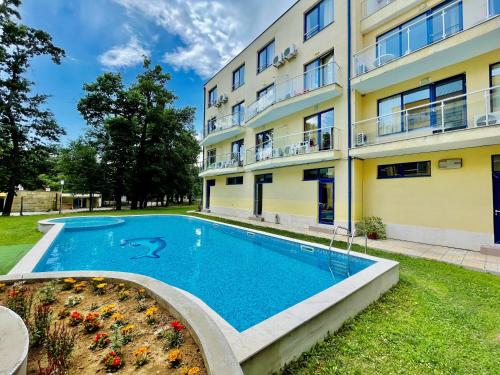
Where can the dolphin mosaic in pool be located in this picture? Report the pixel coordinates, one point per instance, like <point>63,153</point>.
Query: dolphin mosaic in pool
<point>153,245</point>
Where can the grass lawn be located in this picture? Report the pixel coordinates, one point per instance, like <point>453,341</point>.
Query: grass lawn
<point>440,318</point>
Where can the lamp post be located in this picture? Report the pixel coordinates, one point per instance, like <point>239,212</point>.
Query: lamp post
<point>60,198</point>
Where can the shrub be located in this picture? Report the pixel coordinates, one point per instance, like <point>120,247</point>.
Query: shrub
<point>46,294</point>
<point>174,358</point>
<point>141,357</point>
<point>91,322</point>
<point>101,340</point>
<point>19,300</point>
<point>174,336</point>
<point>59,343</point>
<point>112,361</point>
<point>41,324</point>
<point>372,227</point>
<point>72,301</point>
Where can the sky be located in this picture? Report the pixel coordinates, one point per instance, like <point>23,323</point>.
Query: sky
<point>191,39</point>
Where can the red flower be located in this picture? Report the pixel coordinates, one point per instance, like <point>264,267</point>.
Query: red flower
<point>13,293</point>
<point>178,326</point>
<point>116,361</point>
<point>112,353</point>
<point>76,315</point>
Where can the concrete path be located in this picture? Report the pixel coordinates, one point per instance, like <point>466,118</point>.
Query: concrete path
<point>465,258</point>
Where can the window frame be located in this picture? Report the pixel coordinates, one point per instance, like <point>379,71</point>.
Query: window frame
<point>400,166</point>
<point>319,132</point>
<point>211,153</point>
<point>241,76</point>
<point>209,122</point>
<point>241,113</point>
<point>267,178</point>
<point>317,6</point>
<point>397,30</point>
<point>210,103</point>
<point>432,98</point>
<point>265,48</point>
<point>492,109</point>
<point>266,89</point>
<point>235,180</point>
<point>318,174</point>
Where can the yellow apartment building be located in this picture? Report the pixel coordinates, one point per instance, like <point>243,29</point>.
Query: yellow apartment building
<point>346,109</point>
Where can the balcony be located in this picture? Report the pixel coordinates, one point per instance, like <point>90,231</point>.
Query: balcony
<point>222,164</point>
<point>294,149</point>
<point>468,120</point>
<point>375,13</point>
<point>295,94</point>
<point>223,128</point>
<point>457,32</point>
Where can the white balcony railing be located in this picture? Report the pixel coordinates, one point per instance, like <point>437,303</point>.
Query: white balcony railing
<point>318,140</point>
<point>231,160</point>
<point>226,122</point>
<point>372,6</point>
<point>426,30</point>
<point>309,81</point>
<point>472,110</point>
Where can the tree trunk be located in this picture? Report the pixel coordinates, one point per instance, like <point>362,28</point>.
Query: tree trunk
<point>91,204</point>
<point>7,207</point>
<point>133,204</point>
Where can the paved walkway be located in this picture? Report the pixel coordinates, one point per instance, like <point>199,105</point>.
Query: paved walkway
<point>465,258</point>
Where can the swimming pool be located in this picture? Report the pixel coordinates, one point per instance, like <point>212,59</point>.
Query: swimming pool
<point>244,276</point>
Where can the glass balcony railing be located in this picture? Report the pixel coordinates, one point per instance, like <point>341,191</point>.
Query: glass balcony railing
<point>425,30</point>
<point>226,122</point>
<point>318,140</point>
<point>309,81</point>
<point>224,161</point>
<point>472,110</point>
<point>371,6</point>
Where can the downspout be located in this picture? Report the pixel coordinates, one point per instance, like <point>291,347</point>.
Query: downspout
<point>349,119</point>
<point>203,149</point>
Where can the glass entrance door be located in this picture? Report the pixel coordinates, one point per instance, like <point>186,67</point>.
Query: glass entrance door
<point>257,210</point>
<point>326,201</point>
<point>210,184</point>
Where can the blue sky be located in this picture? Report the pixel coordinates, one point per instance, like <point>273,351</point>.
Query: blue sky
<point>192,39</point>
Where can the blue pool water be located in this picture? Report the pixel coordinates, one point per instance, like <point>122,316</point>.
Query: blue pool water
<point>244,277</point>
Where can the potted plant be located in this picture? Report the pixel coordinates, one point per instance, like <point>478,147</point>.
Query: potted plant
<point>372,227</point>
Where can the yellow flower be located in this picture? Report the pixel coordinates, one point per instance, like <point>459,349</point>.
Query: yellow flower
<point>151,311</point>
<point>2,285</point>
<point>98,278</point>
<point>70,280</point>
<point>141,351</point>
<point>193,371</point>
<point>108,308</point>
<point>121,285</point>
<point>174,355</point>
<point>128,328</point>
<point>101,286</point>
<point>80,286</point>
<point>117,316</point>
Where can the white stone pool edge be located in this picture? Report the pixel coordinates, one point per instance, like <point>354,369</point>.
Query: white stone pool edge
<point>267,346</point>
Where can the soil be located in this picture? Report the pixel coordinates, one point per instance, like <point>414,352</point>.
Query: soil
<point>86,361</point>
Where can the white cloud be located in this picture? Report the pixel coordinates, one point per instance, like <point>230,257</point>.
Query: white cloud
<point>127,55</point>
<point>212,31</point>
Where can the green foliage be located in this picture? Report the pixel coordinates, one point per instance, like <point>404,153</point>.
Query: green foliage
<point>59,343</point>
<point>371,225</point>
<point>40,326</point>
<point>28,130</point>
<point>46,294</point>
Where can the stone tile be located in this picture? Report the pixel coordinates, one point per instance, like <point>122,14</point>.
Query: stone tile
<point>454,259</point>
<point>492,259</point>
<point>474,263</point>
<point>495,267</point>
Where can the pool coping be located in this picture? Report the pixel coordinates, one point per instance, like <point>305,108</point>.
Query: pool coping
<point>247,344</point>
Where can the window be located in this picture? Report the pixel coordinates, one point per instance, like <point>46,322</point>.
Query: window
<point>211,125</point>
<point>265,57</point>
<point>318,130</point>
<point>239,77</point>
<point>319,72</point>
<point>238,151</point>
<point>264,145</point>
<point>316,174</point>
<point>494,82</point>
<point>496,163</point>
<point>234,180</point>
<point>264,178</point>
<point>211,158</point>
<point>494,7</point>
<point>212,97</point>
<point>318,18</point>
<point>410,110</point>
<point>403,170</point>
<point>265,91</point>
<point>438,23</point>
<point>238,113</point>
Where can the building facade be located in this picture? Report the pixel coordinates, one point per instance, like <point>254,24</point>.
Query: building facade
<point>346,109</point>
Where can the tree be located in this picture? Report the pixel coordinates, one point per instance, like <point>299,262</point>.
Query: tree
<point>81,166</point>
<point>26,127</point>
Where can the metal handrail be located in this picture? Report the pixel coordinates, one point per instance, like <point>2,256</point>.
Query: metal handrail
<point>226,122</point>
<point>350,234</point>
<point>432,104</point>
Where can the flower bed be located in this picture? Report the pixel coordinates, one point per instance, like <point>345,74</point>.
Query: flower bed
<point>100,326</point>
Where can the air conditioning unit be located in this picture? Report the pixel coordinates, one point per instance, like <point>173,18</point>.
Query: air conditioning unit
<point>278,61</point>
<point>290,52</point>
<point>222,99</point>
<point>361,139</point>
<point>493,119</point>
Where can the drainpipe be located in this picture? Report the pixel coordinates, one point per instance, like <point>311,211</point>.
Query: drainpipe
<point>349,119</point>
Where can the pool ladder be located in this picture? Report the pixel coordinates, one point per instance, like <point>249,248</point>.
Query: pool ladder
<point>343,267</point>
